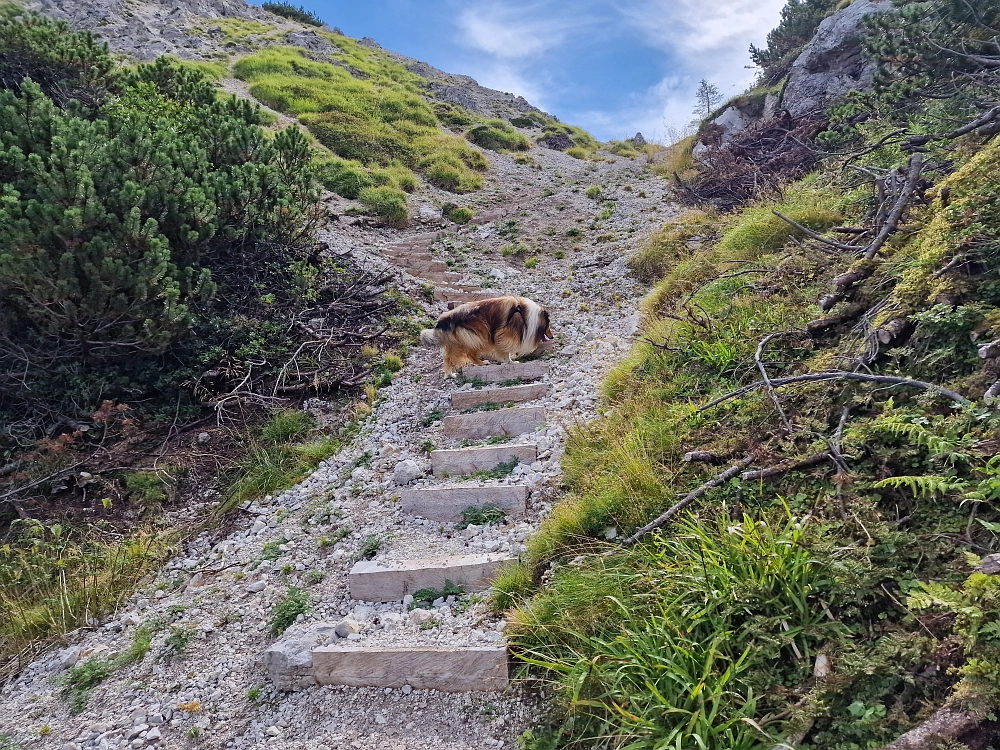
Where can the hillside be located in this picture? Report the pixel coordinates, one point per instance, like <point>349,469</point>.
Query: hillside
<point>746,499</point>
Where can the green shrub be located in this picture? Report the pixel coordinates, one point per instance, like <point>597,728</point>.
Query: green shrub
<point>498,135</point>
<point>458,214</point>
<point>578,153</point>
<point>594,191</point>
<point>289,11</point>
<point>388,203</point>
<point>295,602</point>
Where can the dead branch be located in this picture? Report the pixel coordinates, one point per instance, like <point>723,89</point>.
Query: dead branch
<point>787,466</point>
<point>767,381</point>
<point>892,332</point>
<point>821,325</point>
<point>840,375</point>
<point>699,456</point>
<point>689,498</point>
<point>815,235</point>
<point>947,723</point>
<point>986,119</point>
<point>892,221</point>
<point>990,350</point>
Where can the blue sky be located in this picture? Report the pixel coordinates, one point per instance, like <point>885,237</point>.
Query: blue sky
<point>610,67</point>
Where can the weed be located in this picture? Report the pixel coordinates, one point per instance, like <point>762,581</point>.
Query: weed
<point>509,229</point>
<point>431,417</point>
<point>531,262</point>
<point>254,694</point>
<point>425,598</point>
<point>575,232</point>
<point>498,439</point>
<point>559,255</point>
<point>430,624</point>
<point>593,192</point>
<point>295,602</point>
<point>177,640</point>
<point>499,471</point>
<point>194,732</point>
<point>427,446</point>
<point>370,546</point>
<point>482,515</point>
<point>271,551</point>
<point>284,426</point>
<point>314,577</point>
<point>475,381</point>
<point>79,680</point>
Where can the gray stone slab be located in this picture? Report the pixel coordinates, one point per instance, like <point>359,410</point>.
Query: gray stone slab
<point>460,461</point>
<point>501,422</point>
<point>515,394</point>
<point>508,371</point>
<point>437,276</point>
<point>447,503</point>
<point>449,669</point>
<point>461,297</point>
<point>372,581</point>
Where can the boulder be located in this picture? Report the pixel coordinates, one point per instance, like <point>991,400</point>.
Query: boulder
<point>406,471</point>
<point>557,141</point>
<point>289,660</point>
<point>832,63</point>
<point>638,140</point>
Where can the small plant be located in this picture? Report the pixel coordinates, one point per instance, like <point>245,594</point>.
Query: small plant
<point>574,232</point>
<point>194,732</point>
<point>284,613</point>
<point>559,255</point>
<point>254,693</point>
<point>593,192</point>
<point>458,214</point>
<point>531,262</point>
<point>371,546</point>
<point>498,439</point>
<point>80,680</point>
<point>177,640</point>
<point>427,292</point>
<point>314,577</point>
<point>429,624</point>
<point>271,551</point>
<point>285,426</point>
<point>509,229</point>
<point>392,362</point>
<point>482,515</point>
<point>44,731</point>
<point>499,471</point>
<point>427,446</point>
<point>431,417</point>
<point>425,598</point>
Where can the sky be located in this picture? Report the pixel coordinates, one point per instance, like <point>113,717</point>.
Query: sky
<point>613,68</point>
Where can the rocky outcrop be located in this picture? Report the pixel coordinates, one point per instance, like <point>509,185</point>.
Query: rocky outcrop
<point>557,141</point>
<point>832,63</point>
<point>152,28</point>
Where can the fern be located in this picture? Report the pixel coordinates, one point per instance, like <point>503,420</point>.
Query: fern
<point>948,449</point>
<point>925,485</point>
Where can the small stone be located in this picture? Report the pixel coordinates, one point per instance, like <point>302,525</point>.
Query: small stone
<point>406,689</point>
<point>203,437</point>
<point>420,616</point>
<point>256,586</point>
<point>990,565</point>
<point>153,735</point>
<point>272,731</point>
<point>610,533</point>
<point>407,601</point>
<point>347,627</point>
<point>406,471</point>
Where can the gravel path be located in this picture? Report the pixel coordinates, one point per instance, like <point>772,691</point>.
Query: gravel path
<point>203,683</point>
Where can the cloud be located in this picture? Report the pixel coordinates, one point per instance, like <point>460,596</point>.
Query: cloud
<point>510,31</point>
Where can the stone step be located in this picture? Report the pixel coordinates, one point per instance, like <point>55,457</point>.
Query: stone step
<point>372,581</point>
<point>407,257</point>
<point>424,265</point>
<point>436,276</point>
<point>500,422</point>
<point>515,394</point>
<point>507,371</point>
<point>460,461</point>
<point>454,297</point>
<point>447,503</point>
<point>447,668</point>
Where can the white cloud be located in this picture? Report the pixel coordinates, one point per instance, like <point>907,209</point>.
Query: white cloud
<point>510,32</point>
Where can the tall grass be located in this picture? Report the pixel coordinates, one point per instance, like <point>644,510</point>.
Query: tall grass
<point>666,637</point>
<point>276,458</point>
<point>55,578</point>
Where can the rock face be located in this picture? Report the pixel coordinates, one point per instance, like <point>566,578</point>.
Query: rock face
<point>151,28</point>
<point>832,64</point>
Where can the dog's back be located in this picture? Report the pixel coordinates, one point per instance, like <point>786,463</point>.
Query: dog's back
<point>499,328</point>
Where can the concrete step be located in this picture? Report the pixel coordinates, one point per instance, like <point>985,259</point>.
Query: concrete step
<point>507,371</point>
<point>447,668</point>
<point>447,503</point>
<point>500,422</point>
<point>454,297</point>
<point>460,461</point>
<point>515,394</point>
<point>372,581</point>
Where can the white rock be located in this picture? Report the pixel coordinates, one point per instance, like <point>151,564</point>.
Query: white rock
<point>406,472</point>
<point>420,616</point>
<point>256,586</point>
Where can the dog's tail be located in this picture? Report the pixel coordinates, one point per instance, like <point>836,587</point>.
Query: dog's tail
<point>430,337</point>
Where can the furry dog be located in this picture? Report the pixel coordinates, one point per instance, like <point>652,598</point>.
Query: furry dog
<point>500,329</point>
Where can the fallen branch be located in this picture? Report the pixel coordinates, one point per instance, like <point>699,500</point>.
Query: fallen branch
<point>821,325</point>
<point>767,380</point>
<point>784,468</point>
<point>986,119</point>
<point>699,456</point>
<point>840,375</point>
<point>892,220</point>
<point>689,498</point>
<point>947,723</point>
<point>814,235</point>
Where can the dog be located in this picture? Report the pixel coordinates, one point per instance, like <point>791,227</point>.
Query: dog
<point>500,329</point>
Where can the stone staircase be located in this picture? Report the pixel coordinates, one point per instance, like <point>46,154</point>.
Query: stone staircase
<point>413,255</point>
<point>320,657</point>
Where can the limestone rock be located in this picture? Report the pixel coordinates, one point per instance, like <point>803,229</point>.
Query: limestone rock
<point>832,63</point>
<point>406,472</point>
<point>557,141</point>
<point>289,660</point>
